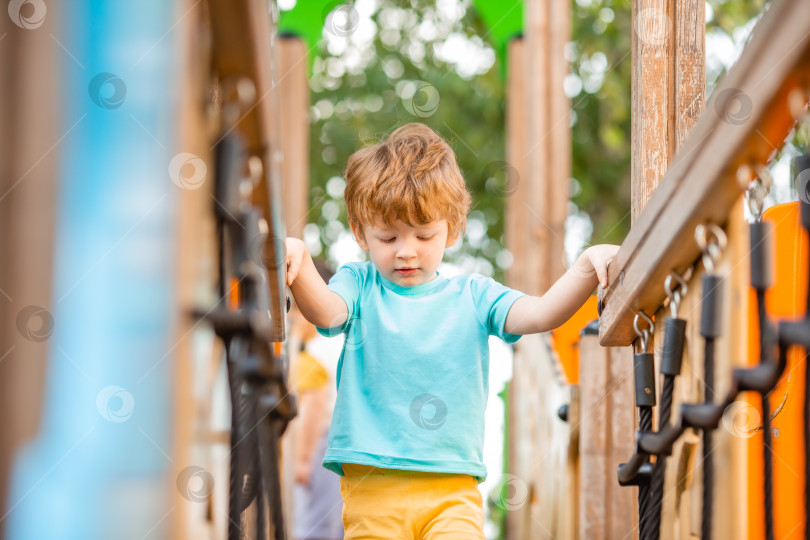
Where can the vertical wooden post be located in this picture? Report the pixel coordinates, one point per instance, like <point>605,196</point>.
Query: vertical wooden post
<point>668,88</point>
<point>30,138</point>
<point>547,158</point>
<point>295,132</point>
<point>517,186</point>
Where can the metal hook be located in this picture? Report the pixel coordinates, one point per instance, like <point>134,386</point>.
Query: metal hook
<point>676,295</point>
<point>711,245</point>
<point>643,334</point>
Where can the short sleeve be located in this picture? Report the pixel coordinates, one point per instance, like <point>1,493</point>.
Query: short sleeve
<point>346,283</point>
<point>493,302</point>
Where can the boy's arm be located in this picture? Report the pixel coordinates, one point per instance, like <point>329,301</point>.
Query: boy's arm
<point>533,314</point>
<point>319,305</point>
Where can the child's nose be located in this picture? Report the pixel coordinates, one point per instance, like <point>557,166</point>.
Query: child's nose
<point>406,250</point>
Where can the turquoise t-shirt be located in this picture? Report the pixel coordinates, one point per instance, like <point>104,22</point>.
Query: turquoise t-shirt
<point>412,379</point>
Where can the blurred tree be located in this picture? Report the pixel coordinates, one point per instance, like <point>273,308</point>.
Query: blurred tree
<point>386,63</point>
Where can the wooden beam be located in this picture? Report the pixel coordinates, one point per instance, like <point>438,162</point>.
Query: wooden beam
<point>547,157</point>
<point>295,127</point>
<point>243,36</point>
<point>747,122</point>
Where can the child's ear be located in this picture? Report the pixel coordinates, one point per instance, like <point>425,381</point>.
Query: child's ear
<point>361,239</point>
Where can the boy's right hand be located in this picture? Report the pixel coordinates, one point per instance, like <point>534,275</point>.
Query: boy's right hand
<point>296,251</point>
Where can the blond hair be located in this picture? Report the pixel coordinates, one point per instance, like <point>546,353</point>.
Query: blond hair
<point>412,176</point>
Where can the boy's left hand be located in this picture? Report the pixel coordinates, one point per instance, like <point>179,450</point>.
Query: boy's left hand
<point>599,257</point>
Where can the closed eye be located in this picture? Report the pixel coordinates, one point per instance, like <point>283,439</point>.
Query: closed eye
<point>424,237</point>
<point>387,240</point>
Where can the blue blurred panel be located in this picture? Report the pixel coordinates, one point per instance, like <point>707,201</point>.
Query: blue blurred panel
<point>99,468</point>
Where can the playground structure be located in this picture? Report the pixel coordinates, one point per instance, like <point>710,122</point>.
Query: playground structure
<point>243,113</point>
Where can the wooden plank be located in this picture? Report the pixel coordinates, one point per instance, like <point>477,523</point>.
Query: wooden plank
<point>295,127</point>
<point>593,440</point>
<point>606,439</point>
<point>775,62</point>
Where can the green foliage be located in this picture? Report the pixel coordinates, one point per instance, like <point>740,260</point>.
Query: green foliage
<point>357,97</point>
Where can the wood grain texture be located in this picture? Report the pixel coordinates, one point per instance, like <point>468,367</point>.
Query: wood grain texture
<point>295,128</point>
<point>747,119</point>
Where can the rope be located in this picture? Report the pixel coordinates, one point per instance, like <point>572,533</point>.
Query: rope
<point>657,483</point>
<point>644,424</point>
<point>767,448</point>
<point>708,445</point>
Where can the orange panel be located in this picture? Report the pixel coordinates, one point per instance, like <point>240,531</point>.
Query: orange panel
<point>785,299</point>
<point>565,339</point>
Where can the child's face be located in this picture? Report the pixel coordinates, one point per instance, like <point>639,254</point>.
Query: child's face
<point>406,255</point>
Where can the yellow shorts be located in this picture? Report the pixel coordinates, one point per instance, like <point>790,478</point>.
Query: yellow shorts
<point>391,504</point>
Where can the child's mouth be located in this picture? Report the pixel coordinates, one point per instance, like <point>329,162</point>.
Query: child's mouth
<point>406,271</point>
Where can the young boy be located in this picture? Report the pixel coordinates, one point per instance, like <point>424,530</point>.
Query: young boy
<point>407,433</point>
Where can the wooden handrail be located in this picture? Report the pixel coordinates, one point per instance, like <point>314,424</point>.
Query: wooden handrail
<point>701,183</point>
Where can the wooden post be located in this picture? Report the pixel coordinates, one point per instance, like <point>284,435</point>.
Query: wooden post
<point>30,149</point>
<point>516,187</point>
<point>668,88</point>
<point>545,165</point>
<point>295,130</point>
